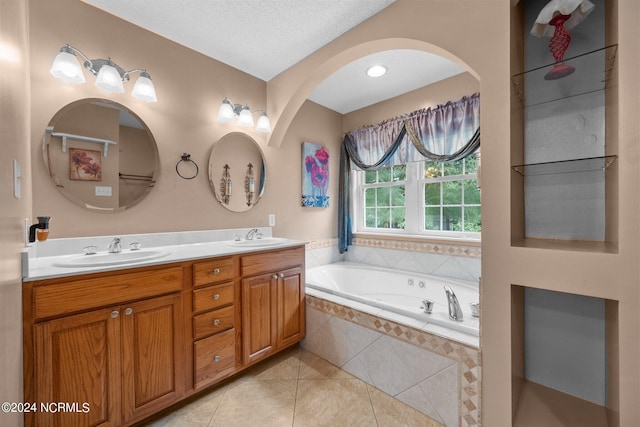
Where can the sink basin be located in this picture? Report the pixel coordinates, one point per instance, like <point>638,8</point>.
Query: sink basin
<point>105,258</point>
<point>260,243</point>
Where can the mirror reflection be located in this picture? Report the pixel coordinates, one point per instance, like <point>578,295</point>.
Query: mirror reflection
<point>237,172</point>
<point>100,155</point>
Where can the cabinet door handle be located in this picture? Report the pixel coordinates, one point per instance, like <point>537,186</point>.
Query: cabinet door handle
<point>216,358</point>
<point>275,276</point>
<point>216,271</point>
<point>128,311</point>
<point>114,314</point>
<point>216,297</point>
<point>281,275</point>
<point>216,322</point>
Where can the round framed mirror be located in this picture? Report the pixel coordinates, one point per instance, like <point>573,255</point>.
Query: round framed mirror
<point>100,155</point>
<point>237,171</point>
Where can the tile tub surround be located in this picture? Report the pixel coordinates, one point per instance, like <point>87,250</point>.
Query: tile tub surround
<point>458,261</point>
<point>436,376</point>
<point>448,259</point>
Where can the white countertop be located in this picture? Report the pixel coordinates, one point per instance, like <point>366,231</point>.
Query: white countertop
<point>40,263</point>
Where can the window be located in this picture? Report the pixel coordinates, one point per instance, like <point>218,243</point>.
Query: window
<point>422,198</point>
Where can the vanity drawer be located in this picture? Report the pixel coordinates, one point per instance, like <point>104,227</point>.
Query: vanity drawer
<point>267,262</point>
<point>217,270</point>
<point>212,297</point>
<point>69,297</point>
<point>213,322</point>
<point>214,357</point>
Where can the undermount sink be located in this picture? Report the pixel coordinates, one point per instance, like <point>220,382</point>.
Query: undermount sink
<point>105,258</point>
<point>259,243</point>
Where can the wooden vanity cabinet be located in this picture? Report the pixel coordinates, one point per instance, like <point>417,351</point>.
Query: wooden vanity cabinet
<point>132,343</point>
<point>272,302</point>
<point>123,360</point>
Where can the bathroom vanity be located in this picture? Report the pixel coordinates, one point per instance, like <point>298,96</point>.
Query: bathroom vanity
<point>114,347</point>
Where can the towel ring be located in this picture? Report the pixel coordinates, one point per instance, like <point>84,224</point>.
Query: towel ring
<point>186,158</point>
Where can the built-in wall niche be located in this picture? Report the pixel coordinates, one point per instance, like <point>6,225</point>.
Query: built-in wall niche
<point>564,138</point>
<point>564,359</point>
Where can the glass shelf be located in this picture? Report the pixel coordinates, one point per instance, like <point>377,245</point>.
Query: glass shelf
<point>593,71</point>
<point>590,164</point>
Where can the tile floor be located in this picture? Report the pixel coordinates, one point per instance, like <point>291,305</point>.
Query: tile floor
<point>295,388</point>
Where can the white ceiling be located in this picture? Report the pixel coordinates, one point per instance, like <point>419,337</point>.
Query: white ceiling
<point>265,37</point>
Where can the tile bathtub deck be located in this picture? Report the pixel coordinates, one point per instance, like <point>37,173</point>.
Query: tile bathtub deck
<point>295,388</point>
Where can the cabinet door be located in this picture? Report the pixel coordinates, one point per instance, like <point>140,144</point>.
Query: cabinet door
<point>152,356</point>
<point>78,362</point>
<point>259,317</point>
<point>291,325</point>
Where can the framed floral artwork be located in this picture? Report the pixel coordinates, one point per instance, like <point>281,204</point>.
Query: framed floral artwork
<point>315,175</point>
<point>84,165</point>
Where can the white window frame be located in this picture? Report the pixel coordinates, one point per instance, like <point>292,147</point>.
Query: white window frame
<point>414,205</point>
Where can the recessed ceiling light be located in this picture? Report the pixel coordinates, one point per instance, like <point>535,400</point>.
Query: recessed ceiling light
<point>376,71</point>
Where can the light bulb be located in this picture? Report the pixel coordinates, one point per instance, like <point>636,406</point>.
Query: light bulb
<point>66,67</point>
<point>109,79</point>
<point>143,89</point>
<point>225,113</point>
<point>264,125</point>
<point>245,119</point>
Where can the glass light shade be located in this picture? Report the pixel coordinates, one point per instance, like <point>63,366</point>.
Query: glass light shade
<point>109,79</point>
<point>143,89</point>
<point>264,125</point>
<point>66,67</point>
<point>225,113</point>
<point>245,119</point>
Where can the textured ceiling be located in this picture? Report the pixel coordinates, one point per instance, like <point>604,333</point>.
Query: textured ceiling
<point>265,37</point>
<point>260,37</point>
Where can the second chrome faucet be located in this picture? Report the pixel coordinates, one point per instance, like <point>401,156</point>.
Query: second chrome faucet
<point>455,312</point>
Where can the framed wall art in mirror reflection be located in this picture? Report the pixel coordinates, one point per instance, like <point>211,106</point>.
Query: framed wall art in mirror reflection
<point>315,175</point>
<point>85,165</point>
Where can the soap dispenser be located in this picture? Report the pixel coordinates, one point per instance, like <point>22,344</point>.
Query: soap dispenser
<point>40,230</point>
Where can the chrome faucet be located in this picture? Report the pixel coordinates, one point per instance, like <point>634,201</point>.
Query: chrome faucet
<point>114,246</point>
<point>252,233</point>
<point>455,312</point>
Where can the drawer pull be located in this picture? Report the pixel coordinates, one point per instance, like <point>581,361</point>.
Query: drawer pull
<point>281,275</point>
<point>216,358</point>
<point>216,297</point>
<point>216,322</point>
<point>128,311</point>
<point>114,314</point>
<point>216,271</point>
<point>274,277</point>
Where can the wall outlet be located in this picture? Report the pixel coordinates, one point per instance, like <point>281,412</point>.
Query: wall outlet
<point>103,191</point>
<point>272,220</point>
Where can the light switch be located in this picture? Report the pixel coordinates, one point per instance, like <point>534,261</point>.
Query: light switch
<point>16,179</point>
<point>103,191</point>
<point>272,220</point>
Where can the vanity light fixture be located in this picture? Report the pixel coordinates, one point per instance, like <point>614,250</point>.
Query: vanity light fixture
<point>109,75</point>
<point>376,71</point>
<point>229,111</point>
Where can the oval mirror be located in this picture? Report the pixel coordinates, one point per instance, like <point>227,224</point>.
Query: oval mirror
<point>100,155</point>
<point>237,171</point>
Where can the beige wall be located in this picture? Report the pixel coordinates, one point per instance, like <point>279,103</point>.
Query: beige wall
<point>190,89</point>
<point>14,144</point>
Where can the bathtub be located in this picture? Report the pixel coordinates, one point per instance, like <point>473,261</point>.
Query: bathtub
<point>397,295</point>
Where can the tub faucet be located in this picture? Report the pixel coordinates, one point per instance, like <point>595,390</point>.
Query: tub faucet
<point>455,312</point>
<point>252,233</point>
<point>114,246</point>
